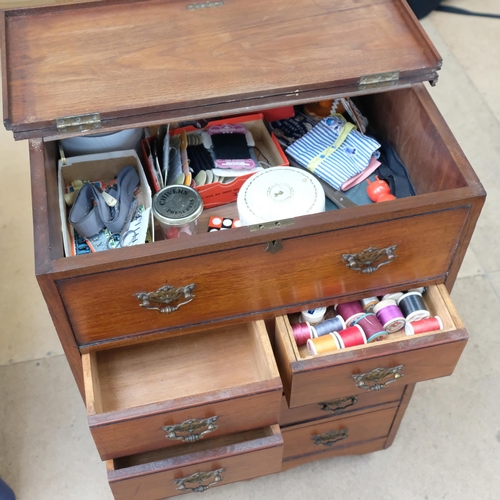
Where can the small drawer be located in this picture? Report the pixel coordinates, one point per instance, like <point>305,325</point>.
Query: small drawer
<point>339,432</point>
<point>397,361</point>
<point>337,406</point>
<point>170,472</point>
<point>182,389</point>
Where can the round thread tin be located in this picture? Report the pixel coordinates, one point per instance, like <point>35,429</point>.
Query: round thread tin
<point>177,209</point>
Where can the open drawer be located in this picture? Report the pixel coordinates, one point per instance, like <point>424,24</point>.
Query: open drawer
<point>400,359</point>
<point>170,472</point>
<point>180,390</point>
<point>231,275</point>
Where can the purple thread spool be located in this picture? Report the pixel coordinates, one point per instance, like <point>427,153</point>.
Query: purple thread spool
<point>350,311</point>
<point>389,315</point>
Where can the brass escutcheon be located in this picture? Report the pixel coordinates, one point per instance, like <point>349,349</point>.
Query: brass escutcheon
<point>189,430</point>
<point>365,260</point>
<point>165,295</point>
<point>338,406</point>
<point>197,479</point>
<point>330,437</point>
<point>373,380</point>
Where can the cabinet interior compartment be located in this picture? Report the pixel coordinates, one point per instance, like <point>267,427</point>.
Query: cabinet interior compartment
<point>180,367</point>
<point>437,301</point>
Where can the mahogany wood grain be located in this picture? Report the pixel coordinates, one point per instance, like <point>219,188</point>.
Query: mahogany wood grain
<point>154,56</point>
<point>133,392</point>
<point>309,379</point>
<point>359,449</point>
<point>299,441</point>
<point>151,476</point>
<point>405,401</point>
<point>308,268</point>
<point>337,406</point>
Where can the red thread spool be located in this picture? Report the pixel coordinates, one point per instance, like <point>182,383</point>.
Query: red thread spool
<point>302,332</point>
<point>354,335</point>
<point>350,311</point>
<point>424,325</point>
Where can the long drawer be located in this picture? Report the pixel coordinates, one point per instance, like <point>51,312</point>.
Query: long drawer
<point>181,390</point>
<point>235,278</point>
<point>171,472</point>
<point>397,361</point>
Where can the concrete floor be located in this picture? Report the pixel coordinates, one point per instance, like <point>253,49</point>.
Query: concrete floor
<point>448,446</point>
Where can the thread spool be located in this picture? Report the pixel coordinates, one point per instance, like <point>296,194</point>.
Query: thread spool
<point>392,296</point>
<point>413,307</point>
<point>350,311</point>
<point>421,290</point>
<point>302,332</point>
<point>369,303</point>
<point>323,345</point>
<point>329,326</point>
<point>374,330</point>
<point>389,315</point>
<point>351,336</point>
<point>424,325</point>
<point>313,316</point>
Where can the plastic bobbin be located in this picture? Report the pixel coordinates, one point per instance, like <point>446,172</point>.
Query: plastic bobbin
<point>392,296</point>
<point>424,325</point>
<point>314,316</point>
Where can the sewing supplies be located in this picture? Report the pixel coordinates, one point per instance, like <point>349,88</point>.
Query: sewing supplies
<point>279,193</point>
<point>393,296</point>
<point>314,316</point>
<point>421,290</point>
<point>389,315</point>
<point>369,303</point>
<point>217,223</point>
<point>351,336</point>
<point>413,307</point>
<point>177,209</point>
<point>374,330</point>
<point>302,332</point>
<point>322,345</point>
<point>329,326</point>
<point>424,325</point>
<point>379,191</point>
<point>350,311</point>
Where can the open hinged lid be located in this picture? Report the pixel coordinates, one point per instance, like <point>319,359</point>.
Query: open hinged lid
<point>123,63</point>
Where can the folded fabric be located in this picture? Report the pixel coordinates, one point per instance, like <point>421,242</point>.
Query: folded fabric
<point>334,151</point>
<point>353,181</point>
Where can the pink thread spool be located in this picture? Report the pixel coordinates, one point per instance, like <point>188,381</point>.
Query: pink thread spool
<point>350,311</point>
<point>351,336</point>
<point>374,331</point>
<point>302,332</point>
<point>389,315</point>
<point>424,326</point>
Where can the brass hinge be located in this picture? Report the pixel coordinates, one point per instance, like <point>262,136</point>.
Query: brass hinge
<point>79,123</point>
<point>271,225</point>
<point>379,80</point>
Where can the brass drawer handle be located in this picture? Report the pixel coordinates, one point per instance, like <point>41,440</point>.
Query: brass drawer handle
<point>338,406</point>
<point>197,479</point>
<point>365,260</point>
<point>373,380</point>
<point>330,437</point>
<point>165,295</point>
<point>190,430</point>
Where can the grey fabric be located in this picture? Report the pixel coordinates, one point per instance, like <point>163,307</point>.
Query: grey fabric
<point>84,215</point>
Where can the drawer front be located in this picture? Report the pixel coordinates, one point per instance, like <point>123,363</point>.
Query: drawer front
<point>376,367</point>
<point>197,471</point>
<point>176,428</point>
<point>337,406</point>
<point>177,391</point>
<point>359,449</point>
<point>306,269</point>
<point>336,433</point>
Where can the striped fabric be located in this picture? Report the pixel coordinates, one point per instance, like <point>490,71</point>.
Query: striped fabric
<point>336,167</point>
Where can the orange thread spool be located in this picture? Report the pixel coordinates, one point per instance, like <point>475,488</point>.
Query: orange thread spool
<point>322,345</point>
